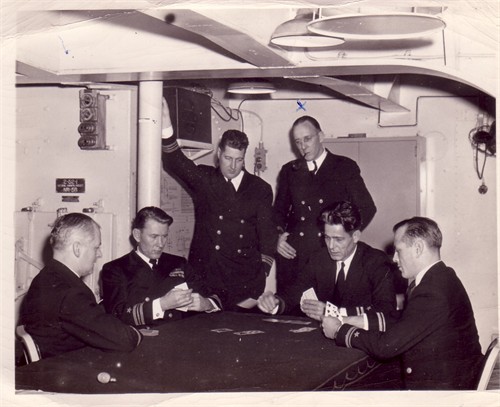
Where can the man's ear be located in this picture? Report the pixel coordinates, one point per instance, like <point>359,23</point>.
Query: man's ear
<point>76,249</point>
<point>419,247</point>
<point>321,136</point>
<point>136,233</point>
<point>219,152</point>
<point>356,236</point>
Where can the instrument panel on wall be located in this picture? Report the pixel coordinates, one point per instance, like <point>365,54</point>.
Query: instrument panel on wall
<point>92,126</point>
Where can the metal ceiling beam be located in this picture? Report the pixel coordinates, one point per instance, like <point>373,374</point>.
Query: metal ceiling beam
<point>354,91</point>
<point>234,41</point>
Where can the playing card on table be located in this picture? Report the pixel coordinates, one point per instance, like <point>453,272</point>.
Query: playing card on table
<point>332,311</point>
<point>220,330</point>
<point>303,329</point>
<point>308,294</point>
<point>249,332</point>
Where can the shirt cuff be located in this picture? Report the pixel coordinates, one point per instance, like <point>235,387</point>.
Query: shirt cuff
<point>275,310</point>
<point>214,305</point>
<point>365,322</point>
<point>167,132</point>
<point>157,311</point>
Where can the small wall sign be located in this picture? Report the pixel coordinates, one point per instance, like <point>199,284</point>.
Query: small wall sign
<point>70,185</point>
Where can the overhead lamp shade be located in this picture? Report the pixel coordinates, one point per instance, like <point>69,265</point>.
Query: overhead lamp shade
<point>389,26</point>
<point>251,88</point>
<point>294,33</point>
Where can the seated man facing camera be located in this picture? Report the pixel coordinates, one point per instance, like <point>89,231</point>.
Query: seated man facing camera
<point>145,286</point>
<point>60,311</point>
<point>348,273</point>
<point>436,336</point>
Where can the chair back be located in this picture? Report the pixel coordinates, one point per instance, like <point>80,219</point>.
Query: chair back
<point>489,362</point>
<point>30,348</point>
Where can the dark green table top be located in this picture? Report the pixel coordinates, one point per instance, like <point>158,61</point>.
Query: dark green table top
<point>189,356</point>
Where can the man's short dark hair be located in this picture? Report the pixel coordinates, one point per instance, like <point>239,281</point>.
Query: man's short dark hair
<point>307,119</point>
<point>419,227</point>
<point>234,139</point>
<point>342,213</point>
<point>66,225</point>
<point>151,212</point>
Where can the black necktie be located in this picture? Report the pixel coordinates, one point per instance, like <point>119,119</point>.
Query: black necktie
<point>231,185</point>
<point>410,288</point>
<point>154,264</point>
<point>339,285</point>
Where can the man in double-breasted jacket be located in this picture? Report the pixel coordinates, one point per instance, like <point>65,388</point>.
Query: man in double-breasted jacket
<point>140,288</point>
<point>235,237</point>
<point>305,187</point>
<point>365,295</point>
<point>436,336</point>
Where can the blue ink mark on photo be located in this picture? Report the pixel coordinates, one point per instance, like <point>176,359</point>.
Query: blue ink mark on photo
<point>302,106</point>
<point>66,51</point>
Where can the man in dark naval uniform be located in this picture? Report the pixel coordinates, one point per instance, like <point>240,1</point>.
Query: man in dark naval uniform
<point>235,237</point>
<point>60,311</point>
<point>348,273</point>
<point>436,336</point>
<point>141,288</point>
<point>305,187</point>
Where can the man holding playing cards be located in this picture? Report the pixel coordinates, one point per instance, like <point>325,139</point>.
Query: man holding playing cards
<point>436,335</point>
<point>147,286</point>
<point>347,278</point>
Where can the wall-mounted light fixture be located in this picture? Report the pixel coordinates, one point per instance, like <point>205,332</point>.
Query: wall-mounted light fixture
<point>251,88</point>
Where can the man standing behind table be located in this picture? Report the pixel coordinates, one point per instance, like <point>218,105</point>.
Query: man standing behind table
<point>348,273</point>
<point>305,187</point>
<point>141,288</point>
<point>59,310</point>
<point>436,335</point>
<point>235,237</point>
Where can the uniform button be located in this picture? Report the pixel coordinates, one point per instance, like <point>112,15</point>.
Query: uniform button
<point>408,370</point>
<point>319,234</point>
<point>241,236</point>
<point>239,250</point>
<point>146,299</point>
<point>301,233</point>
<point>170,315</point>
<point>219,232</point>
<point>217,247</point>
<point>303,202</point>
<point>302,218</point>
<point>242,221</point>
<point>221,217</point>
<point>320,201</point>
<point>157,315</point>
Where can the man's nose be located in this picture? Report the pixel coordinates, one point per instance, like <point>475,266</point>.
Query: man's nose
<point>233,165</point>
<point>395,258</point>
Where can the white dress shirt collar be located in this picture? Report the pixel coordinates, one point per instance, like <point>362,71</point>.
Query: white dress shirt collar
<point>422,273</point>
<point>319,161</point>
<point>145,258</point>
<point>347,262</point>
<point>236,181</point>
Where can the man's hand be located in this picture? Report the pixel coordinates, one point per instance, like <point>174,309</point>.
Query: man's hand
<point>165,115</point>
<point>330,325</point>
<point>176,298</point>
<point>200,304</point>
<point>313,309</point>
<point>283,248</point>
<point>267,302</point>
